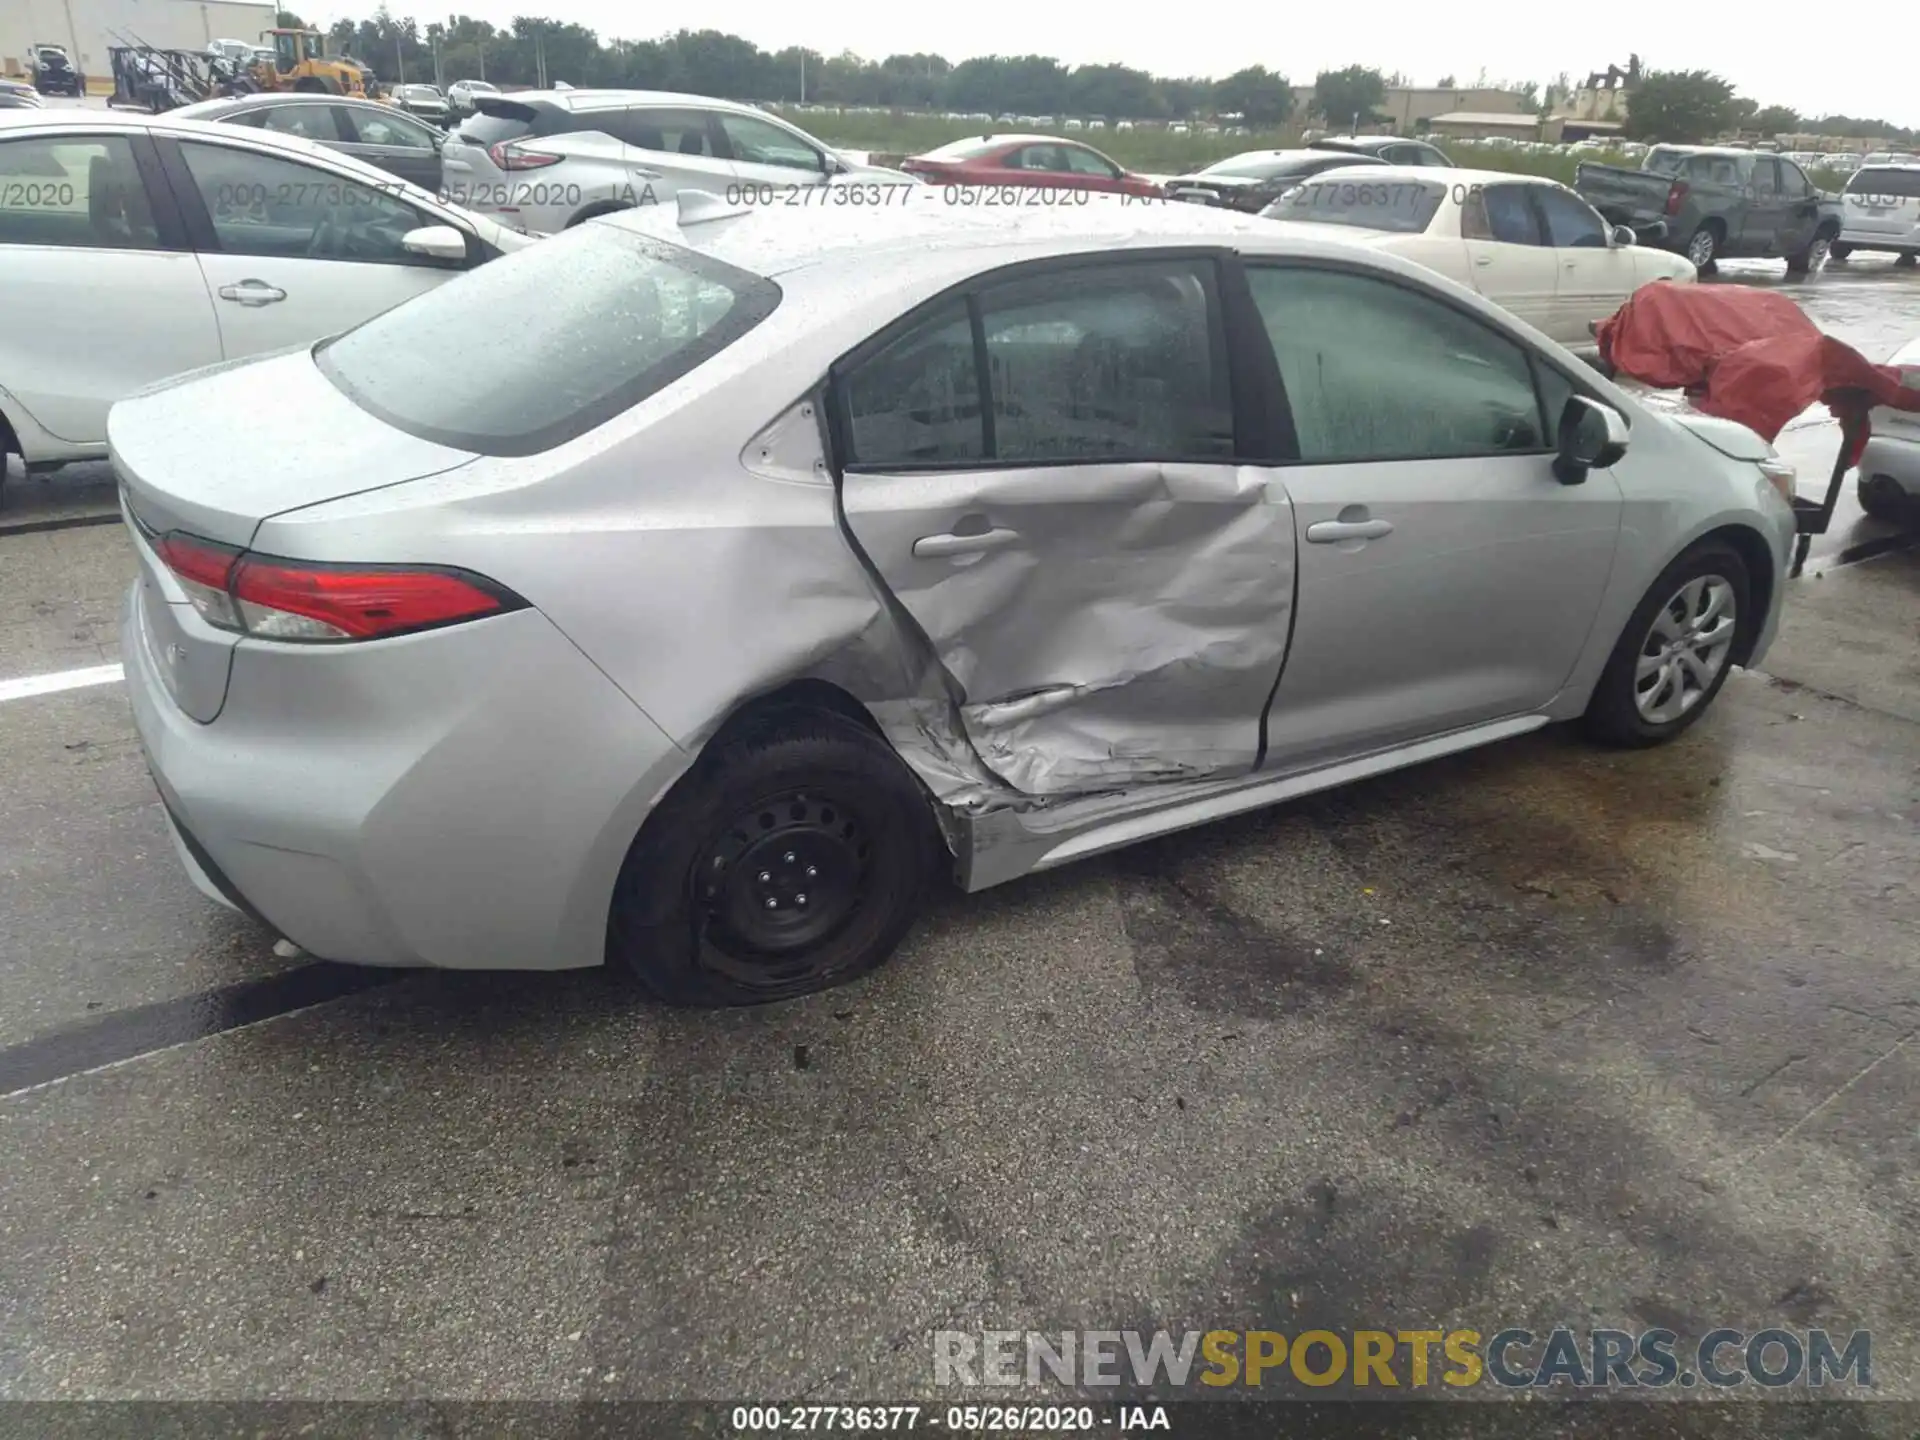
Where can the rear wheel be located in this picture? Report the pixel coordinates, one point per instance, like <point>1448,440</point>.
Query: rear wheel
<point>1839,250</point>
<point>1675,652</point>
<point>794,858</point>
<point>1884,498</point>
<point>1905,257</point>
<point>1702,246</point>
<point>1813,257</point>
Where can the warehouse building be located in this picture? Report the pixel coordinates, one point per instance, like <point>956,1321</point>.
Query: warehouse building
<point>88,27</point>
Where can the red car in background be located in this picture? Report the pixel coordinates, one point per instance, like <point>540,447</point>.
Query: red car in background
<point>1041,160</point>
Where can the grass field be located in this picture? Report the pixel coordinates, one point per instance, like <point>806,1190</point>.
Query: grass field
<point>1156,152</point>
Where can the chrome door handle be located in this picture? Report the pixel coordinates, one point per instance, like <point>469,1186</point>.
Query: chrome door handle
<point>253,292</point>
<point>935,547</point>
<point>1330,532</point>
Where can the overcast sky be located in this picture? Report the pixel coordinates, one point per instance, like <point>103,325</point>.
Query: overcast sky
<point>1816,68</point>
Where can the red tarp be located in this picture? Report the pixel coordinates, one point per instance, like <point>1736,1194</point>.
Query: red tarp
<point>1747,355</point>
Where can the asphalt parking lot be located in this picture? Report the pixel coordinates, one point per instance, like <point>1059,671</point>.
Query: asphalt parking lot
<point>1535,1035</point>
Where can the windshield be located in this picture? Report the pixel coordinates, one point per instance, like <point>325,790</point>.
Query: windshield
<point>602,318</point>
<point>1405,207</point>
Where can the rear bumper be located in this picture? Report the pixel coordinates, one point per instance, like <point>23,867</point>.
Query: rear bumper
<point>461,799</point>
<point>1907,240</point>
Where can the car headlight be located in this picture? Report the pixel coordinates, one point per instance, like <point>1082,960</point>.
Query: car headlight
<point>1781,476</point>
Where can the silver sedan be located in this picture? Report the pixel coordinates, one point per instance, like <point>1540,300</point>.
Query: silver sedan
<point>745,575</point>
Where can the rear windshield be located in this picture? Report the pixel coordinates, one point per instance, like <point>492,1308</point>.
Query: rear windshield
<point>601,319</point>
<point>484,130</point>
<point>1664,161</point>
<point>1893,182</point>
<point>1259,166</point>
<point>964,149</point>
<point>1405,207</point>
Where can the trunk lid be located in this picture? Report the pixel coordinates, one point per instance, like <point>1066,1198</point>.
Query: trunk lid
<point>284,436</point>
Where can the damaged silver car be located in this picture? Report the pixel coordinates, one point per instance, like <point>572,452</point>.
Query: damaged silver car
<point>746,570</point>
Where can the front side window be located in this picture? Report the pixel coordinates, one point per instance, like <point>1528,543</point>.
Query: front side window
<point>756,142</point>
<point>1375,370</point>
<point>1085,162</point>
<point>1793,182</point>
<point>82,191</point>
<point>1572,224</point>
<point>266,205</point>
<point>602,319</point>
<point>1113,362</point>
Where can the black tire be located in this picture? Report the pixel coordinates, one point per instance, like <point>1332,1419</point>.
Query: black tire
<point>1806,261</point>
<point>1613,714</point>
<point>1703,246</point>
<point>1905,257</point>
<point>700,915</point>
<point>1882,497</point>
<point>1840,251</point>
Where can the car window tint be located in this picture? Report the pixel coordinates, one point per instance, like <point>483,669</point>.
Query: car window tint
<point>372,129</point>
<point>264,205</point>
<point>672,132</point>
<point>77,190</point>
<point>1123,360</point>
<point>311,122</point>
<point>756,142</point>
<point>602,319</point>
<point>1510,215</point>
<point>917,401</point>
<point>1572,224</point>
<point>1379,371</point>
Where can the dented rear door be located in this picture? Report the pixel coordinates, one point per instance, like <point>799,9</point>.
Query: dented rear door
<point>1045,475</point>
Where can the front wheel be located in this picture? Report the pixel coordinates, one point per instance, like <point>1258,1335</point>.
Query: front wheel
<point>1675,652</point>
<point>790,860</point>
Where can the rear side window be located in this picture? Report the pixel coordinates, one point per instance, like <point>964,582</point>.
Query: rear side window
<point>602,319</point>
<point>1110,362</point>
<point>74,190</point>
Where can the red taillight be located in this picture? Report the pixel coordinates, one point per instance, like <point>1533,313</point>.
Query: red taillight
<point>506,155</point>
<point>275,599</point>
<point>1676,196</point>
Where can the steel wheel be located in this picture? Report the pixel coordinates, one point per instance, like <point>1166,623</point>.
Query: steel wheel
<point>781,879</point>
<point>1685,649</point>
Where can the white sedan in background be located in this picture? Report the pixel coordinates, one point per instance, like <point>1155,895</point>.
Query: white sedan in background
<point>1529,244</point>
<point>1889,477</point>
<point>136,247</point>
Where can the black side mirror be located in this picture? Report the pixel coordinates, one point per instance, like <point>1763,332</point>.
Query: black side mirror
<point>1591,437</point>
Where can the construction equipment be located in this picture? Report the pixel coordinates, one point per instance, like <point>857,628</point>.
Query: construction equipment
<point>300,62</point>
<point>146,77</point>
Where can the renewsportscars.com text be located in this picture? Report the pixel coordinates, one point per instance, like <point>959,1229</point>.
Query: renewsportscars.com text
<point>1510,1359</point>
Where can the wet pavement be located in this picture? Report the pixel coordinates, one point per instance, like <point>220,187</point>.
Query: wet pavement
<point>1535,1035</point>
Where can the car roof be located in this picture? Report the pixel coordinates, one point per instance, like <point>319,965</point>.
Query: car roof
<point>925,230</point>
<point>231,104</point>
<point>170,123</point>
<point>624,99</point>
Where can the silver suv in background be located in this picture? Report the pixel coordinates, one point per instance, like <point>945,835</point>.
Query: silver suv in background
<point>543,160</point>
<point>1880,210</point>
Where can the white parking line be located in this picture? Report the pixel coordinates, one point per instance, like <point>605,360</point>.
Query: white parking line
<point>29,685</point>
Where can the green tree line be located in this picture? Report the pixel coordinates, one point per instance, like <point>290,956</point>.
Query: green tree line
<point>1671,105</point>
